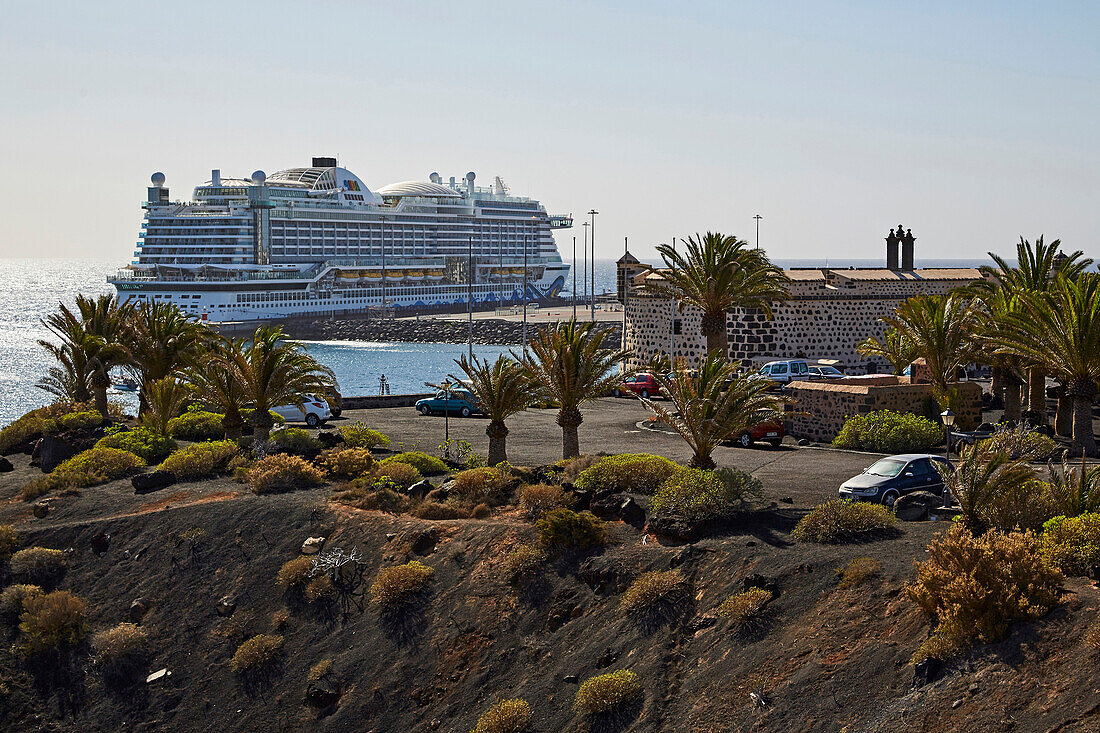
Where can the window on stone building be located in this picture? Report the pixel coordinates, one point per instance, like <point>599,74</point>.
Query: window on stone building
<point>677,326</point>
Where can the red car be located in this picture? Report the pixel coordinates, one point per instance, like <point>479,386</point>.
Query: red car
<point>770,431</point>
<point>643,384</point>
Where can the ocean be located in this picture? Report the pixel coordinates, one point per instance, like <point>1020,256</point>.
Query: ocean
<point>34,287</point>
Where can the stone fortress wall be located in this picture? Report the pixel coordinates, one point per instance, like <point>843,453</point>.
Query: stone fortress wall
<point>828,314</point>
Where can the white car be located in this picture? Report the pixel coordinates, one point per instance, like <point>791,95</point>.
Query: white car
<point>783,372</point>
<point>825,372</point>
<point>312,412</point>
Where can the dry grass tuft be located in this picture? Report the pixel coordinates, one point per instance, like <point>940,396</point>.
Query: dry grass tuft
<point>839,521</point>
<point>53,621</point>
<point>858,571</point>
<point>507,716</point>
<point>282,472</point>
<point>653,590</point>
<point>537,499</point>
<point>604,693</point>
<point>399,584</point>
<point>259,652</point>
<point>744,609</point>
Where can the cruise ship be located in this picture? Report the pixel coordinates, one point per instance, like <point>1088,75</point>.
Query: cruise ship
<point>318,241</point>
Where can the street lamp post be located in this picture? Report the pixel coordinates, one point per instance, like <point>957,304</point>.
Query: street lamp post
<point>593,213</point>
<point>584,254</point>
<point>758,218</point>
<point>574,278</point>
<point>470,292</point>
<point>525,289</point>
<point>382,246</point>
<point>948,418</point>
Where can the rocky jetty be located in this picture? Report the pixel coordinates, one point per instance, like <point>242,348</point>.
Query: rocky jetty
<point>486,331</point>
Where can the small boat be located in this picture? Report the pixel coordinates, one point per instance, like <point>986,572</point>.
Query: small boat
<point>394,276</point>
<point>434,275</point>
<point>347,277</point>
<point>414,275</point>
<point>371,275</point>
<point>126,385</point>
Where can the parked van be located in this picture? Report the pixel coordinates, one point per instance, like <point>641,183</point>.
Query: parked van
<point>782,372</point>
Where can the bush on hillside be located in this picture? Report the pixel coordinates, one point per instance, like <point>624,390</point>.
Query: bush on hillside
<point>400,584</point>
<point>653,592</point>
<point>886,431</point>
<point>295,574</point>
<point>537,499</point>
<point>507,716</point>
<point>524,563</point>
<point>9,542</point>
<point>489,484</point>
<point>1020,506</point>
<point>744,609</point>
<point>257,654</point>
<point>13,598</point>
<point>196,425</point>
<point>282,472</point>
<point>121,652</point>
<point>200,460</point>
<point>844,521</point>
<point>639,473</point>
<point>358,435</point>
<point>141,441</point>
<point>399,476</point>
<point>1022,443</point>
<point>572,468</point>
<point>93,467</point>
<point>276,418</point>
<point>377,495</point>
<point>566,529</point>
<point>347,463</point>
<point>39,565</point>
<point>858,571</point>
<point>427,465</point>
<point>53,418</point>
<point>53,621</point>
<point>606,692</point>
<point>1072,544</point>
<point>298,441</point>
<point>436,511</point>
<point>697,494</point>
<point>975,587</point>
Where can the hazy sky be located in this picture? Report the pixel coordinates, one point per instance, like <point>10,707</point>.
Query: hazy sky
<point>972,125</point>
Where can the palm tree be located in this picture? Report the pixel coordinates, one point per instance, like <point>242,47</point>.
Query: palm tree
<point>1075,491</point>
<point>103,340</point>
<point>979,476</point>
<point>272,373</point>
<point>716,274</point>
<point>1038,266</point>
<point>164,337</point>
<point>897,350</point>
<point>941,329</point>
<point>995,303</point>
<point>502,389</point>
<point>569,365</point>
<point>1060,331</point>
<point>221,388</point>
<point>73,375</point>
<point>714,405</point>
<point>164,399</point>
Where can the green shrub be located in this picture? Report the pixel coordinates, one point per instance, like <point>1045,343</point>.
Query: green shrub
<point>507,716</point>
<point>9,541</point>
<point>744,609</point>
<point>121,652</point>
<point>53,621</point>
<point>524,563</point>
<point>698,494</point>
<point>141,441</point>
<point>276,418</point>
<point>200,460</point>
<point>844,521</point>
<point>491,485</point>
<point>427,465</point>
<point>93,467</point>
<point>79,421</point>
<point>858,571</point>
<point>537,499</point>
<point>639,473</point>
<point>282,472</point>
<point>295,574</point>
<point>976,587</point>
<point>256,654</point>
<point>347,463</point>
<point>13,598</point>
<point>605,692</point>
<point>653,591</point>
<point>566,529</point>
<point>34,424</point>
<point>1072,544</point>
<point>1022,443</point>
<point>50,419</point>
<point>399,476</point>
<point>295,440</point>
<point>38,565</point>
<point>1020,506</point>
<point>197,425</point>
<point>399,584</point>
<point>358,435</point>
<point>886,431</point>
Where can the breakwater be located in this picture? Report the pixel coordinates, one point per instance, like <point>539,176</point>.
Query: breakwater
<point>486,331</point>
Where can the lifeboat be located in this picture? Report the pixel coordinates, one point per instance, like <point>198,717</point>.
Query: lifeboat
<point>346,277</point>
<point>434,275</point>
<point>371,276</point>
<point>414,276</point>
<point>394,276</point>
<point>517,271</point>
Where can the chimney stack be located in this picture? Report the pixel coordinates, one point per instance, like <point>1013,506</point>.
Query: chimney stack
<point>892,249</point>
<point>906,248</point>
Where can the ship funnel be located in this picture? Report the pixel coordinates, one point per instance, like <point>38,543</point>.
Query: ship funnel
<point>470,183</point>
<point>157,179</point>
<point>215,177</point>
<point>435,178</point>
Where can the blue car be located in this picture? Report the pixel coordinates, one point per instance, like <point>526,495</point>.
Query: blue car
<point>456,402</point>
<point>888,478</point>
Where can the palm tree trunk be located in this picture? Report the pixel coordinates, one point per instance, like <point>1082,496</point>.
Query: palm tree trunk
<point>1012,400</point>
<point>232,425</point>
<point>1037,393</point>
<point>569,418</point>
<point>714,329</point>
<point>704,462</point>
<point>997,388</point>
<point>1084,442</point>
<point>100,383</point>
<point>261,431</point>
<point>498,442</point>
<point>1063,418</point>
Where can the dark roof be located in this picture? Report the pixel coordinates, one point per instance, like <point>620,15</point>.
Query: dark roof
<point>627,259</point>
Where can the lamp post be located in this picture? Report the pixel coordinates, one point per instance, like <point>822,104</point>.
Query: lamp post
<point>574,278</point>
<point>948,418</point>
<point>525,290</point>
<point>758,218</point>
<point>470,293</point>
<point>382,246</point>
<point>593,213</point>
<point>584,254</point>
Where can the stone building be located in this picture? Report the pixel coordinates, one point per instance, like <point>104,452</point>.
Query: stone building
<point>829,312</point>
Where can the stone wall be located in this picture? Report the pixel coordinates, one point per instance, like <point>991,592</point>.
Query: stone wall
<point>821,408</point>
<point>828,314</point>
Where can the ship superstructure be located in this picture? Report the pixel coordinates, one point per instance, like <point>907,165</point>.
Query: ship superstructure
<point>318,241</point>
